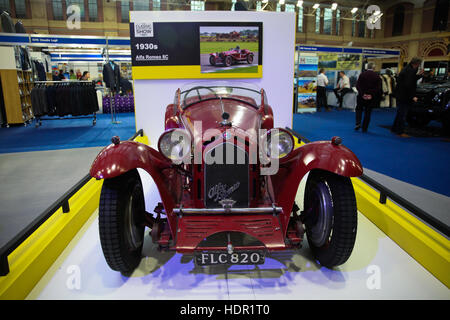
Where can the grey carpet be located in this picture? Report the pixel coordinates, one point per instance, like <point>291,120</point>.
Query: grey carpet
<point>31,181</point>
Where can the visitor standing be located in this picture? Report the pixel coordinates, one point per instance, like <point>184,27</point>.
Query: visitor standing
<point>369,93</point>
<point>322,82</point>
<point>405,94</point>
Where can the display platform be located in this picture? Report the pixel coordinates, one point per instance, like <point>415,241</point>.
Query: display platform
<point>377,269</point>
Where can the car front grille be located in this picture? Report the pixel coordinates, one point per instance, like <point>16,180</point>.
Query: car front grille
<point>228,178</point>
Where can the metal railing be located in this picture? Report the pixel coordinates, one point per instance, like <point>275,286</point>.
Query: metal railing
<point>387,193</point>
<point>62,201</point>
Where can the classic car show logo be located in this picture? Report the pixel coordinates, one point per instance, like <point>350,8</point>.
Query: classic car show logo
<point>144,29</point>
<point>222,191</point>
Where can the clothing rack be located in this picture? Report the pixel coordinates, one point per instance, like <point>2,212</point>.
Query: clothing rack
<point>112,106</point>
<point>64,81</point>
<point>39,118</point>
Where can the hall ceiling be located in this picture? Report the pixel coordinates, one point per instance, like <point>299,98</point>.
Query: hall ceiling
<point>342,3</point>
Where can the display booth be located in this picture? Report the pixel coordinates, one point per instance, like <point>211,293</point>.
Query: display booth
<point>310,59</point>
<point>83,248</point>
<point>35,59</point>
<point>182,39</point>
<point>155,84</point>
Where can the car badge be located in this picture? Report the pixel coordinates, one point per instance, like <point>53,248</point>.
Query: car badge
<point>222,191</point>
<point>227,204</point>
<point>227,135</point>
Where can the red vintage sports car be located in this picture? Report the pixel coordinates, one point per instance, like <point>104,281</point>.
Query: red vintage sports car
<point>227,180</point>
<point>234,55</point>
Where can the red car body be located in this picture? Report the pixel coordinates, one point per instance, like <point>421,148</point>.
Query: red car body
<point>264,203</point>
<point>227,58</point>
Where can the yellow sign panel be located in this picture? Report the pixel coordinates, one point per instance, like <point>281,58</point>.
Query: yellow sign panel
<point>185,72</point>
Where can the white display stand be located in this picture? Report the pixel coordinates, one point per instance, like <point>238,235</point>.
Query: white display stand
<point>377,269</point>
<point>153,96</point>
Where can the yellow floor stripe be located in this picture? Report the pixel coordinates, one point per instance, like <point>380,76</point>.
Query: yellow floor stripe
<point>426,246</point>
<point>31,260</point>
<point>143,139</point>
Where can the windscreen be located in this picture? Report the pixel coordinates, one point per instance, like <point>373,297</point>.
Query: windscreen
<point>197,92</point>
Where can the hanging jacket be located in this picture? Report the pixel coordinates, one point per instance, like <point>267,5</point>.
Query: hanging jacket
<point>111,76</point>
<point>19,27</point>
<point>7,23</point>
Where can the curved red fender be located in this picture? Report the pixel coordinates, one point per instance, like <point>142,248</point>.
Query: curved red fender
<point>115,160</point>
<point>322,155</point>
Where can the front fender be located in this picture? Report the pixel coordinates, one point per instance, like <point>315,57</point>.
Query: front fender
<point>115,160</point>
<point>327,156</point>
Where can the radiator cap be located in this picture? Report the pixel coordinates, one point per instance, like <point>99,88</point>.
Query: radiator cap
<point>336,140</point>
<point>115,140</point>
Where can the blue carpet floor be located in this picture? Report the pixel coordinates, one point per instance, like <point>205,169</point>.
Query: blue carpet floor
<point>66,134</point>
<point>424,162</point>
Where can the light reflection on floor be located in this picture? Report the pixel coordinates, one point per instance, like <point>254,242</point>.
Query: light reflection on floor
<point>285,275</point>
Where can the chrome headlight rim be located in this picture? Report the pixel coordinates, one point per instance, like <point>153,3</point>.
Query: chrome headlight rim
<point>267,137</point>
<point>166,137</point>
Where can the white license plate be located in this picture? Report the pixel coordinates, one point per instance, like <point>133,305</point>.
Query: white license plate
<point>238,257</point>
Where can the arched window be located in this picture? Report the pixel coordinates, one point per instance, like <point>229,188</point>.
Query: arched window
<point>436,52</point>
<point>57,10</point>
<point>338,21</point>
<point>440,15</point>
<point>21,9</point>
<point>4,5</point>
<point>79,3</point>
<point>327,20</point>
<point>399,18</point>
<point>300,19</point>
<point>317,20</point>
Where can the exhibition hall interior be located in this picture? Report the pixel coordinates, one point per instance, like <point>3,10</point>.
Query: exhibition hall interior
<point>224,150</point>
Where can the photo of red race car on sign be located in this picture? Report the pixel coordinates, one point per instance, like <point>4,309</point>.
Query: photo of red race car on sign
<point>229,49</point>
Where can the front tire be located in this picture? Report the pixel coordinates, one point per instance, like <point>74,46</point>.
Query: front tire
<point>121,225</point>
<point>228,61</point>
<point>332,217</point>
<point>212,60</point>
<point>250,59</point>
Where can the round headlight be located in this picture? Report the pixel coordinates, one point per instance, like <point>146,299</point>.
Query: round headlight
<point>175,145</point>
<point>278,143</point>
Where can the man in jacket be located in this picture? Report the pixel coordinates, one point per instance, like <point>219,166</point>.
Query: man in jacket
<point>405,94</point>
<point>369,93</point>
